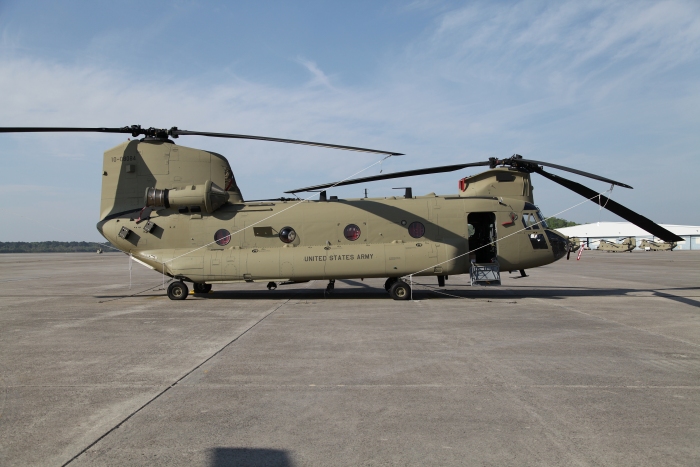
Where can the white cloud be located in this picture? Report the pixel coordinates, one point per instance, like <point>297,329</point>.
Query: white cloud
<point>573,83</point>
<point>319,77</point>
<point>572,45</point>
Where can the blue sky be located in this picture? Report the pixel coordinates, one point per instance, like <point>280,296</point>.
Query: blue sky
<point>609,87</point>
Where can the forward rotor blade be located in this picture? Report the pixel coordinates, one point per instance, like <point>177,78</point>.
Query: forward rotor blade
<point>407,173</point>
<point>176,132</point>
<point>575,171</point>
<point>637,219</point>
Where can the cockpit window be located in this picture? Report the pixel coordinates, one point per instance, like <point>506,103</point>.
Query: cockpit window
<point>530,221</point>
<point>533,220</point>
<point>228,178</point>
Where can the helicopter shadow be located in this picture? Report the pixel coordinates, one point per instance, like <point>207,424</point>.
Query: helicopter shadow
<point>320,294</point>
<point>356,284</point>
<point>557,293</point>
<point>457,291</point>
<point>249,457</point>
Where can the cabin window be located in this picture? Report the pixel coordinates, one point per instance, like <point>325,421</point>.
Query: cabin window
<point>288,235</point>
<point>352,232</point>
<point>222,237</point>
<point>416,229</point>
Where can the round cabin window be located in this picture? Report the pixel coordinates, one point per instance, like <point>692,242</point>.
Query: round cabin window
<point>288,235</point>
<point>416,230</point>
<point>222,237</point>
<point>352,232</point>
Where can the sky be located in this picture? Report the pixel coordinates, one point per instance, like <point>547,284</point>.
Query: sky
<point>603,86</point>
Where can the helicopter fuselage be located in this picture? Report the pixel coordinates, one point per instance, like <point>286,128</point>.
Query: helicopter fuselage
<point>388,237</point>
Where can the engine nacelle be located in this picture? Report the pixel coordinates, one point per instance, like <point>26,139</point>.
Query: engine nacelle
<point>209,197</point>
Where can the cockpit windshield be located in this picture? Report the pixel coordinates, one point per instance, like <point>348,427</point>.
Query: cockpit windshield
<point>543,222</point>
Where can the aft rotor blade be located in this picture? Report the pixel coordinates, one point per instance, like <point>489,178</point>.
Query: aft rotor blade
<point>407,173</point>
<point>175,132</point>
<point>575,171</point>
<point>44,129</point>
<point>637,219</point>
<point>136,130</point>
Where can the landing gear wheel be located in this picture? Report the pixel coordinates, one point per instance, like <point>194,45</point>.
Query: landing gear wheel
<point>330,286</point>
<point>271,285</point>
<point>389,282</point>
<point>178,291</point>
<point>201,288</point>
<point>400,290</point>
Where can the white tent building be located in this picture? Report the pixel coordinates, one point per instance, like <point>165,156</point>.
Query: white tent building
<point>613,231</point>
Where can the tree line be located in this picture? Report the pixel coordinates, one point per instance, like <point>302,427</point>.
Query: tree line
<point>54,247</point>
<point>556,223</point>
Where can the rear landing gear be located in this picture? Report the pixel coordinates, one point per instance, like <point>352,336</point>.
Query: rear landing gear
<point>389,282</point>
<point>201,288</point>
<point>400,290</point>
<point>330,286</point>
<point>177,291</point>
<point>271,285</point>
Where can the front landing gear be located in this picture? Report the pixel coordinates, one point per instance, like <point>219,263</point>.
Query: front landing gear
<point>330,286</point>
<point>400,290</point>
<point>178,291</point>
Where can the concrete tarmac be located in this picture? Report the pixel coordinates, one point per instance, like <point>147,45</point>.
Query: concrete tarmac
<point>591,362</point>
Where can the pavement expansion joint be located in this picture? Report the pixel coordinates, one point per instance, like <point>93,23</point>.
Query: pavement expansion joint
<point>175,383</point>
<point>435,386</point>
<point>608,320</point>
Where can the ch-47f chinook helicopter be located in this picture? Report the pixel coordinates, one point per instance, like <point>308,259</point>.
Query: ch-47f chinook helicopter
<point>651,245</point>
<point>179,211</point>
<point>624,245</point>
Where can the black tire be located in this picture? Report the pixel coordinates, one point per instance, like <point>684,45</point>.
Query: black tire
<point>178,291</point>
<point>400,290</point>
<point>389,282</point>
<point>201,288</point>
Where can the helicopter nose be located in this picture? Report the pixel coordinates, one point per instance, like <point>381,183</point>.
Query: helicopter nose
<point>560,244</point>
